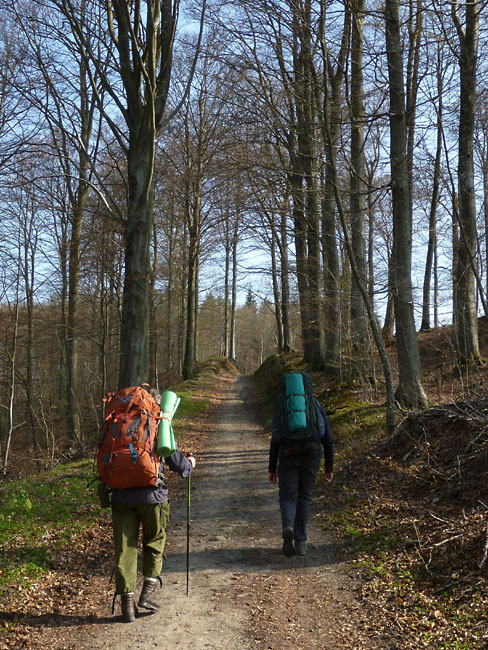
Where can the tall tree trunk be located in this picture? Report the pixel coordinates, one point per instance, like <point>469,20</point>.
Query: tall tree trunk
<point>332,310</point>
<point>276,288</point>
<point>29,270</point>
<point>410,391</point>
<point>153,338</point>
<point>371,167</point>
<point>331,102</point>
<point>466,320</point>
<point>233,306</point>
<point>227,249</point>
<point>431,246</point>
<point>78,200</point>
<point>307,139</point>
<point>193,218</point>
<point>360,338</point>
<point>300,226</point>
<point>485,218</point>
<point>170,360</point>
<point>300,237</point>
<point>12,356</point>
<point>285,279</point>
<point>196,308</point>
<point>415,26</point>
<point>389,322</point>
<point>135,304</point>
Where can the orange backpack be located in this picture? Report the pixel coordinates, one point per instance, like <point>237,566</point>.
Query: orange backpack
<point>126,454</point>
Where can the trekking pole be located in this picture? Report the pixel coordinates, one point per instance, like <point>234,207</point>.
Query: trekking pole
<point>188,537</point>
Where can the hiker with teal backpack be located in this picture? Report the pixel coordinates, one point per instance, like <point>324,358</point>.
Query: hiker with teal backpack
<point>300,433</point>
<point>137,441</point>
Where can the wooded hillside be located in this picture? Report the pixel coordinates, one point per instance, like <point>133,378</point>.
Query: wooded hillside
<point>235,178</point>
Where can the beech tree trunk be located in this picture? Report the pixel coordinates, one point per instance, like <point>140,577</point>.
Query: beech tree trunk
<point>431,245</point>
<point>410,391</point>
<point>466,320</point>
<point>360,338</point>
<point>330,129</point>
<point>285,280</point>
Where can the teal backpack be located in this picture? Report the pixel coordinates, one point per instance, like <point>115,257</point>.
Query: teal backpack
<point>297,415</point>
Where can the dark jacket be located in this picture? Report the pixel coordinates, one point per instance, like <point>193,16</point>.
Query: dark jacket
<point>325,435</point>
<point>177,462</point>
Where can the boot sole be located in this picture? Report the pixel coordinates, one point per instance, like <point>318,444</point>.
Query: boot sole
<point>150,607</point>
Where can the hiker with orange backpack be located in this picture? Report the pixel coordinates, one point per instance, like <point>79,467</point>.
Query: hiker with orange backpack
<point>140,493</point>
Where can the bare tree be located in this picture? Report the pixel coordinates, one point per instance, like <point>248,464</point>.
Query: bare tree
<point>436,181</point>
<point>358,188</point>
<point>466,320</point>
<point>410,390</point>
<point>142,40</point>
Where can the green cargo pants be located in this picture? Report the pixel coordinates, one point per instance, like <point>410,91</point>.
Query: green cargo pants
<point>126,521</point>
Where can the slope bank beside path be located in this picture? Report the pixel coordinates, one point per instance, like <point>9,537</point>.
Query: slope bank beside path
<point>243,592</point>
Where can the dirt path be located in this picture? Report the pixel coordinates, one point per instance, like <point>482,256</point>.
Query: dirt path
<point>243,592</point>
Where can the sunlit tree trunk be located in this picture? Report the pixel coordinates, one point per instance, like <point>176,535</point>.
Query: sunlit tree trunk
<point>410,390</point>
<point>285,280</point>
<point>432,242</point>
<point>360,338</point>
<point>466,321</point>
<point>331,103</point>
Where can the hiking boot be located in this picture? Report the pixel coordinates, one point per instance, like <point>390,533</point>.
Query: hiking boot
<point>300,548</point>
<point>288,546</point>
<point>147,589</point>
<point>128,608</point>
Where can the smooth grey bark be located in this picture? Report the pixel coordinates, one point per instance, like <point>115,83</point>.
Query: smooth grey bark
<point>307,138</point>
<point>410,391</point>
<point>299,232</point>
<point>414,27</point>
<point>278,225</point>
<point>11,379</point>
<point>331,102</point>
<point>371,168</point>
<point>358,192</point>
<point>171,265</point>
<point>432,241</point>
<point>300,181</point>
<point>485,216</point>
<point>153,338</point>
<point>276,288</point>
<point>28,245</point>
<point>193,207</point>
<point>389,322</point>
<point>285,279</point>
<point>466,318</point>
<point>145,70</point>
<point>78,198</point>
<point>227,250</point>
<point>233,306</point>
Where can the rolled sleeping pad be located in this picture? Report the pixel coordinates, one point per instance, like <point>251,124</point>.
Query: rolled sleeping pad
<point>166,439</point>
<point>296,404</point>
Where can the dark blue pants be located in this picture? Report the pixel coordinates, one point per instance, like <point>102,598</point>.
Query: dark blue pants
<point>296,477</point>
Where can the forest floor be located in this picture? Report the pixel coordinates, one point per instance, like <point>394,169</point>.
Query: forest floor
<point>398,555</point>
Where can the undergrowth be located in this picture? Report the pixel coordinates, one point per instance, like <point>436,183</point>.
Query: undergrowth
<point>409,512</point>
<point>42,515</point>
